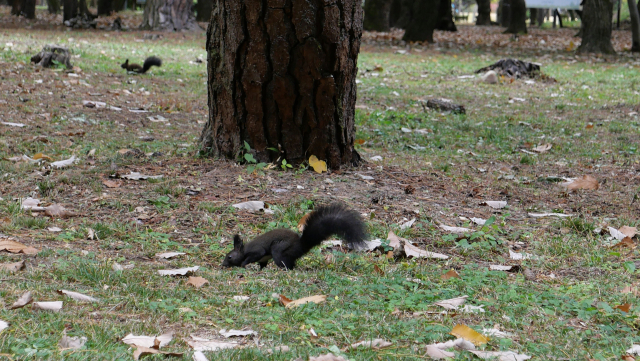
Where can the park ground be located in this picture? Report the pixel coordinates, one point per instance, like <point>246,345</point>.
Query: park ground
<point>566,302</point>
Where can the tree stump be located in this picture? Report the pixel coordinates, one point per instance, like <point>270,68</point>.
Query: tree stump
<point>596,27</point>
<point>282,75</point>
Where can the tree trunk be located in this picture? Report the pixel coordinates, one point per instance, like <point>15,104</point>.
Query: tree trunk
<point>422,21</point>
<point>70,9</point>
<point>282,74</point>
<point>203,10</point>
<point>596,27</point>
<point>169,15</point>
<point>29,9</point>
<point>376,15</point>
<point>16,7</point>
<point>445,16</point>
<point>517,17</point>
<point>105,7</point>
<point>404,15</point>
<point>53,6</point>
<point>533,16</point>
<point>484,12</point>
<point>503,13</point>
<point>635,26</point>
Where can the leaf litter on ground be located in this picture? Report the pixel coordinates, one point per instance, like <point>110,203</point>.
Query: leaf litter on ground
<point>53,306</point>
<point>78,296</point>
<point>410,250</point>
<point>178,272</point>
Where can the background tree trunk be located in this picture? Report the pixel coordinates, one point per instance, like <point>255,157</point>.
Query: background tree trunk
<point>401,13</point>
<point>376,15</point>
<point>503,13</point>
<point>517,17</point>
<point>16,7</point>
<point>169,15</point>
<point>445,16</point>
<point>484,12</point>
<point>422,21</point>
<point>70,9</point>
<point>533,16</point>
<point>283,76</point>
<point>635,25</point>
<point>26,8</point>
<point>53,6</point>
<point>596,27</point>
<point>203,10</point>
<point>105,7</point>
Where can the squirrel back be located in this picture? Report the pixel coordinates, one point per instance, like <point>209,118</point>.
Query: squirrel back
<point>286,247</point>
<point>148,63</point>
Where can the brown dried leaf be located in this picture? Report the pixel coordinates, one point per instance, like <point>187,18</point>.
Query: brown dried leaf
<point>197,282</point>
<point>12,267</point>
<point>78,296</point>
<point>56,210</point>
<point>54,306</point>
<point>111,184</point>
<point>584,182</point>
<point>24,300</point>
<point>378,270</point>
<point>624,307</point>
<point>374,344</point>
<point>542,148</point>
<point>148,341</point>
<point>16,247</point>
<point>284,300</point>
<point>628,231</point>
<point>625,243</point>
<point>450,274</point>
<point>302,301</point>
<point>437,354</point>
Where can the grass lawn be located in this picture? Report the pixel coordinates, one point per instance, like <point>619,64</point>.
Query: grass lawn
<point>559,304</point>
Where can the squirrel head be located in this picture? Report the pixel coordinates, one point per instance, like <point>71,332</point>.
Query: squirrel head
<point>125,64</point>
<point>235,257</point>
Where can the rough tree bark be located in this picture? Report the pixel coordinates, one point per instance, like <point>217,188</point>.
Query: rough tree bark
<point>635,25</point>
<point>105,7</point>
<point>403,16</point>
<point>169,15</point>
<point>282,74</point>
<point>53,6</point>
<point>422,21</point>
<point>376,15</point>
<point>26,8</point>
<point>70,9</point>
<point>203,10</point>
<point>596,27</point>
<point>484,12</point>
<point>517,17</point>
<point>445,16</point>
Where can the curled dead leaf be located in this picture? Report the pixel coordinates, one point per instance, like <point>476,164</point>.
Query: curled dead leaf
<point>585,182</point>
<point>197,282</point>
<point>12,267</point>
<point>469,334</point>
<point>24,300</point>
<point>12,246</point>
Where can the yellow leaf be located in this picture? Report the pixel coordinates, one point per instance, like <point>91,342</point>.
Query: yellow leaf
<point>42,156</point>
<point>318,165</point>
<point>469,334</point>
<point>302,301</point>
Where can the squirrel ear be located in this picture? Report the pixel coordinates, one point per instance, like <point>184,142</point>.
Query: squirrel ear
<point>237,242</point>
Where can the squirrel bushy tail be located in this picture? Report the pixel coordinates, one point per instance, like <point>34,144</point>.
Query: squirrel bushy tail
<point>149,62</point>
<point>334,219</point>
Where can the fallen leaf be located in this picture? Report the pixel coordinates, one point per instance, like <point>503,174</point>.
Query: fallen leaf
<point>199,356</point>
<point>457,230</point>
<point>368,245</point>
<point>118,267</point>
<point>494,332</point>
<point>408,224</point>
<point>438,354</point>
<point>57,210</point>
<point>302,301</point>
<point>24,300</point>
<point>3,325</point>
<point>168,255</point>
<point>71,343</point>
<point>110,184</point>
<point>148,341</point>
<point>178,272</point>
<point>376,158</point>
<point>278,349</point>
<point>584,182</point>
<point>253,206</point>
<point>450,274</point>
<point>624,358</point>
<point>318,165</point>
<point>143,351</point>
<point>540,215</point>
<point>237,333</point>
<point>54,229</point>
<point>12,267</point>
<point>625,243</point>
<point>78,296</point>
<point>635,349</point>
<point>16,247</point>
<point>624,307</point>
<point>19,125</point>
<point>378,270</point>
<point>478,221</point>
<point>139,176</point>
<point>413,251</point>
<point>240,298</point>
<point>500,355</point>
<point>32,204</point>
<point>327,357</point>
<point>520,256</point>
<point>203,344</point>
<point>472,309</point>
<point>54,306</point>
<point>91,234</point>
<point>452,303</point>
<point>495,204</point>
<point>542,148</point>
<point>628,231</point>
<point>63,163</point>
<point>22,158</point>
<point>458,343</point>
<point>469,334</point>
<point>197,282</point>
<point>495,267</point>
<point>374,344</point>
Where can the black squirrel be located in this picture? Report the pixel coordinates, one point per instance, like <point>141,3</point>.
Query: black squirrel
<point>286,246</point>
<point>148,63</point>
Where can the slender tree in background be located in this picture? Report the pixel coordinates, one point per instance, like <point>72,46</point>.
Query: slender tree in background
<point>53,6</point>
<point>401,13</point>
<point>503,13</point>
<point>484,12</point>
<point>26,8</point>
<point>422,21</point>
<point>635,25</point>
<point>169,15</point>
<point>533,16</point>
<point>517,17</point>
<point>596,27</point>
<point>283,77</point>
<point>69,9</point>
<point>376,15</point>
<point>203,10</point>
<point>445,16</point>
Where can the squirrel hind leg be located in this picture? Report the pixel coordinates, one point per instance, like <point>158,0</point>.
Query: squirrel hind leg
<point>283,262</point>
